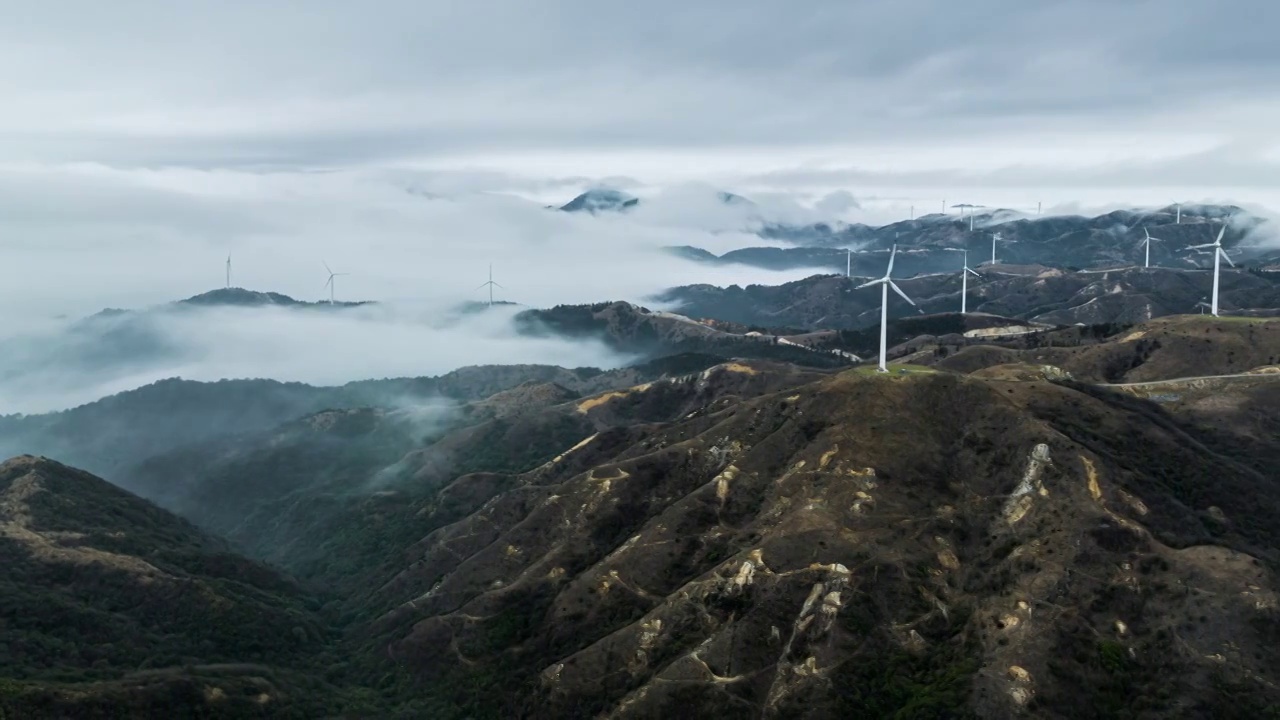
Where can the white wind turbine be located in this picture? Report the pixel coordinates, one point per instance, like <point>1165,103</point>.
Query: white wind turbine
<point>228,270</point>
<point>330,283</point>
<point>491,285</point>
<point>885,283</point>
<point>965,272</point>
<point>970,207</point>
<point>1146,242</point>
<point>1218,256</point>
<point>994,237</point>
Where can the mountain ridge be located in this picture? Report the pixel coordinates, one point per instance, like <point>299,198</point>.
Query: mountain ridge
<point>110,603</point>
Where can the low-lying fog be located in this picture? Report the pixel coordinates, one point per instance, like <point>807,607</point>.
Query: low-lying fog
<point>85,238</point>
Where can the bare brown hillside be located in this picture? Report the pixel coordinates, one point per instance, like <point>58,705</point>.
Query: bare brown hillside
<point>1161,349</point>
<point>862,546</point>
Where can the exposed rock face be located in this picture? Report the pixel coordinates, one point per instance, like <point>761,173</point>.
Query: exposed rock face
<point>834,549</point>
<point>753,539</point>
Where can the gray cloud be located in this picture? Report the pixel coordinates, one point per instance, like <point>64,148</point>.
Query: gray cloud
<point>314,83</point>
<point>1230,165</point>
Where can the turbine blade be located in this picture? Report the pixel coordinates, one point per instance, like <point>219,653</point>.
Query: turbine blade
<point>892,253</point>
<point>971,272</point>
<point>498,286</point>
<point>1200,247</point>
<point>1221,232</point>
<point>881,281</point>
<point>899,291</point>
<point>483,286</point>
<point>1226,257</point>
<point>326,267</point>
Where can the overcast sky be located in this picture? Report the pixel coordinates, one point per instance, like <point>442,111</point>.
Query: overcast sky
<point>662,89</point>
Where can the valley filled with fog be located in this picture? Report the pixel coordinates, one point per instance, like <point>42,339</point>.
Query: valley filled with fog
<point>139,241</point>
<point>416,245</point>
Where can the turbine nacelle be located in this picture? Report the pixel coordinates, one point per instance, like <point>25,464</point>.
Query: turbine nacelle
<point>1215,247</point>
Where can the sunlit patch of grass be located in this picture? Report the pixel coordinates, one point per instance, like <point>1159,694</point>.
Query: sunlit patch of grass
<point>1240,319</point>
<point>895,370</point>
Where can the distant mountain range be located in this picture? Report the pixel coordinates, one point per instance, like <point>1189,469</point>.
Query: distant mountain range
<point>1034,293</point>
<point>107,435</point>
<point>599,200</point>
<point>120,343</point>
<point>1113,239</point>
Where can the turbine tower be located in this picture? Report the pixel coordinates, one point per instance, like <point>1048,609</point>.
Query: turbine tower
<point>848,264</point>
<point>333,286</point>
<point>965,272</point>
<point>491,285</point>
<point>1179,218</point>
<point>994,237</point>
<point>1218,256</point>
<point>1147,243</point>
<point>885,283</point>
<point>228,271</point>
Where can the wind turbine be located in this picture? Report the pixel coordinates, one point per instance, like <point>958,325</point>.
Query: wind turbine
<point>1147,243</point>
<point>848,264</point>
<point>965,272</point>
<point>228,271</point>
<point>1178,220</point>
<point>491,285</point>
<point>994,237</point>
<point>330,283</point>
<point>969,207</point>
<point>1218,256</point>
<point>885,283</point>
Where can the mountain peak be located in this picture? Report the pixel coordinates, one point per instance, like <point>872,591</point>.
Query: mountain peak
<point>729,198</point>
<point>601,200</point>
<point>239,296</point>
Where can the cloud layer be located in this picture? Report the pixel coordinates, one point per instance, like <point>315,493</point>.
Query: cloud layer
<point>739,86</point>
<point>412,144</point>
<point>88,237</point>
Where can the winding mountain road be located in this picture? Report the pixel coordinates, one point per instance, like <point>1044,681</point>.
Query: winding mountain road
<point>1170,381</point>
